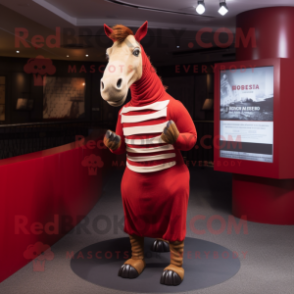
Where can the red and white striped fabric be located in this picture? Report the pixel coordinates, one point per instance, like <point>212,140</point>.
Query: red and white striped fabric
<point>142,128</point>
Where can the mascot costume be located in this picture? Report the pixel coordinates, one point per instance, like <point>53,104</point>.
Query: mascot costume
<point>152,129</point>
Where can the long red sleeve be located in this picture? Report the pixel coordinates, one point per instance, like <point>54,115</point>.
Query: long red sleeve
<point>188,135</point>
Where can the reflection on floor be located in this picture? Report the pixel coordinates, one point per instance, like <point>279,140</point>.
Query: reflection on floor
<point>265,251</point>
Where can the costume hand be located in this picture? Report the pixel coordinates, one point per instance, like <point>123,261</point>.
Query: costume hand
<point>170,133</point>
<point>112,140</point>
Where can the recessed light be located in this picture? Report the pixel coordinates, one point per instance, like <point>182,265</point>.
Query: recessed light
<point>67,55</point>
<point>223,9</point>
<point>17,52</point>
<point>178,46</point>
<point>200,9</point>
<point>87,55</point>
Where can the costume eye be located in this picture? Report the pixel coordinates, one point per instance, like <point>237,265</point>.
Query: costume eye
<point>136,52</point>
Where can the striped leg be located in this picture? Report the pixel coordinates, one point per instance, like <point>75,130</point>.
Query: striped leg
<point>134,266</point>
<point>173,274</point>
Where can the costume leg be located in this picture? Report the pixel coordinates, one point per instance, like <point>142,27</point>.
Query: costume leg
<point>134,266</point>
<point>173,274</point>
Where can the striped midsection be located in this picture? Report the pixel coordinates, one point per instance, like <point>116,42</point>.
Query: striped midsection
<point>144,117</point>
<point>151,158</point>
<point>154,106</point>
<point>150,169</point>
<point>145,141</point>
<point>138,129</point>
<point>150,129</point>
<point>150,150</point>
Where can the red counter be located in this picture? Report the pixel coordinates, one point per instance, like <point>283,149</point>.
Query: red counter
<point>44,195</point>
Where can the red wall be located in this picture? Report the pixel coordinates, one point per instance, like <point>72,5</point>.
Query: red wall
<point>265,193</point>
<point>273,30</point>
<point>37,186</point>
<point>263,200</point>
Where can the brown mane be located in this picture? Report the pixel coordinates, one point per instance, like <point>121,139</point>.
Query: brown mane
<point>120,32</point>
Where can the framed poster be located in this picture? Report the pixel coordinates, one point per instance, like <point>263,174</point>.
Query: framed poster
<point>246,113</point>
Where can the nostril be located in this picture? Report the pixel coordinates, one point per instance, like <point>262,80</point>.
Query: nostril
<point>102,85</point>
<point>119,82</point>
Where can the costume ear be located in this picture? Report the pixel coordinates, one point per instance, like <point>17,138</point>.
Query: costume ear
<point>142,31</point>
<point>108,31</point>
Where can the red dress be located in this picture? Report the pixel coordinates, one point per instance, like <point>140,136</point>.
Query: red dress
<point>155,184</point>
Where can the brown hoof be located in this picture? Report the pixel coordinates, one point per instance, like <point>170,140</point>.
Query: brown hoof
<point>128,272</point>
<point>170,278</point>
<point>132,268</point>
<point>160,246</point>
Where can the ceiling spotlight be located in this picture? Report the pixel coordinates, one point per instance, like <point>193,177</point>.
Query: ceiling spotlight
<point>17,51</point>
<point>178,46</point>
<point>67,55</point>
<point>87,55</point>
<point>200,9</point>
<point>223,9</point>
